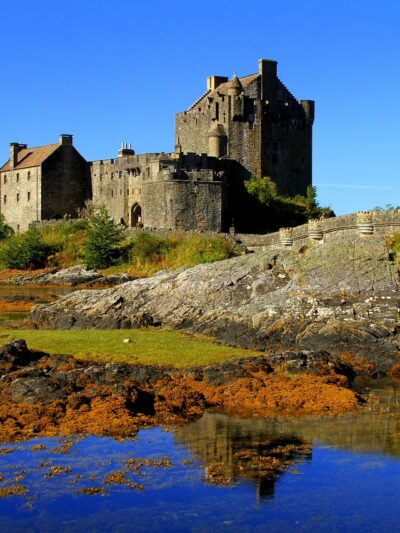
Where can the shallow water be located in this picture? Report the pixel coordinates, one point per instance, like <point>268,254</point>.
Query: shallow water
<point>12,318</point>
<point>348,481</point>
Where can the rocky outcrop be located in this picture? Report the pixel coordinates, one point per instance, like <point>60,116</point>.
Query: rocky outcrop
<point>77,275</point>
<point>339,297</point>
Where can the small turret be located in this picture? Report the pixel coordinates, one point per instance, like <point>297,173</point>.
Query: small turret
<point>234,86</point>
<point>217,141</point>
<point>309,107</point>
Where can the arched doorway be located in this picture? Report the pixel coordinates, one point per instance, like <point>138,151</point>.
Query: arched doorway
<point>136,216</point>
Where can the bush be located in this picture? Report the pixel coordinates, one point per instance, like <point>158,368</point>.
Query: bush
<point>102,239</point>
<point>26,251</point>
<point>149,247</point>
<point>284,210</point>
<point>6,231</point>
<point>197,249</point>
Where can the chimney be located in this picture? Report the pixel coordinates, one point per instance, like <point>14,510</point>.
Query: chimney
<point>65,140</point>
<point>268,68</point>
<point>14,149</point>
<point>214,81</point>
<point>126,149</point>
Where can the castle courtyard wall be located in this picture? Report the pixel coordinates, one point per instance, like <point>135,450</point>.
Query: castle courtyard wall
<point>183,205</point>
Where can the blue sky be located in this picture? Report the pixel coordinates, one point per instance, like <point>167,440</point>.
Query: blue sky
<point>112,71</point>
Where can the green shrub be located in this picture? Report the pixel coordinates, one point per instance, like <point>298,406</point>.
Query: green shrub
<point>149,247</point>
<point>26,251</point>
<point>102,239</point>
<point>197,249</point>
<point>284,210</point>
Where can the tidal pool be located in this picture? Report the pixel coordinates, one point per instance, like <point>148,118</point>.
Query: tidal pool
<point>11,297</point>
<point>340,474</point>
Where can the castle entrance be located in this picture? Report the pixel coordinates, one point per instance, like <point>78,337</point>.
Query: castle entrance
<point>136,216</point>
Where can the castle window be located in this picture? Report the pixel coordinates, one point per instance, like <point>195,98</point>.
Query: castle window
<point>127,191</point>
<point>5,178</point>
<point>120,174</point>
<point>5,199</point>
<point>216,111</point>
<point>17,177</point>
<point>29,196</point>
<point>29,174</point>
<point>17,196</point>
<point>112,194</point>
<point>18,227</point>
<point>112,175</point>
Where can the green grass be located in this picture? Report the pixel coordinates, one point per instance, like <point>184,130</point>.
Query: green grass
<point>149,346</point>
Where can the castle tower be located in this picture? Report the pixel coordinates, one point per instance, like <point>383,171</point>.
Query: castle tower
<point>264,128</point>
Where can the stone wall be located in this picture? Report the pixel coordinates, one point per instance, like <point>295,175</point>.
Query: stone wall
<point>383,223</point>
<point>183,205</point>
<point>20,197</point>
<point>151,189</point>
<point>65,184</point>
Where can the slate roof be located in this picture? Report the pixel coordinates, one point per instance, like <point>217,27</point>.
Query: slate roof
<point>31,157</point>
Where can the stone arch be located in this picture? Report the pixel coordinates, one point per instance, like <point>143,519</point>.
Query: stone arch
<point>136,215</point>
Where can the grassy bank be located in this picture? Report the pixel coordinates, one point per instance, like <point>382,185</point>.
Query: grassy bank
<point>64,244</point>
<point>148,346</point>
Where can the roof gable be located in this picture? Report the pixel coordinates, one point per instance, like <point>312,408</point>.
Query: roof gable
<point>31,157</point>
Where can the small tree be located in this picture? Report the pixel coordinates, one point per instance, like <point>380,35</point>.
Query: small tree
<point>102,239</point>
<point>311,205</point>
<point>264,189</point>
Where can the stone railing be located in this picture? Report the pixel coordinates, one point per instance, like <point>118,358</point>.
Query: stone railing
<point>363,224</point>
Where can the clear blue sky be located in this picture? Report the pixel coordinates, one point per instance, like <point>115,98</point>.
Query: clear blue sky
<point>112,71</point>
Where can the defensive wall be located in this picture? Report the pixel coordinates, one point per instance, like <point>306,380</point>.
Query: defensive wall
<point>360,224</point>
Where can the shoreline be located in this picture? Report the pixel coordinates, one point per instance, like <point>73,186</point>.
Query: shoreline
<point>57,395</point>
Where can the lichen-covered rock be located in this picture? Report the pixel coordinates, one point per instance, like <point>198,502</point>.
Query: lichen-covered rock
<point>341,296</point>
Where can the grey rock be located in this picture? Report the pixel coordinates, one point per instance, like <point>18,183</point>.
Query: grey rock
<point>340,296</point>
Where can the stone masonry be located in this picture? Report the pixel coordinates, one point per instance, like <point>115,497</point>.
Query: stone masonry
<point>240,127</point>
<point>43,183</point>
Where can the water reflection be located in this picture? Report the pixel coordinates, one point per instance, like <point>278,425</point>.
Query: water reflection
<point>17,300</point>
<point>235,449</point>
<point>253,462</point>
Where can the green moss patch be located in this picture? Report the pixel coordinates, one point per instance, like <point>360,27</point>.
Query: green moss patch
<point>147,346</point>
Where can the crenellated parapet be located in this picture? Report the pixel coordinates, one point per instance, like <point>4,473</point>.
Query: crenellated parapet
<point>286,236</point>
<point>365,222</point>
<point>315,232</point>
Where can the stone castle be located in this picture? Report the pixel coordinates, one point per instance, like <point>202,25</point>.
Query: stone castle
<point>238,128</point>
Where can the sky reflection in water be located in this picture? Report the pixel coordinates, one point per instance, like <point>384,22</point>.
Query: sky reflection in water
<point>349,482</point>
